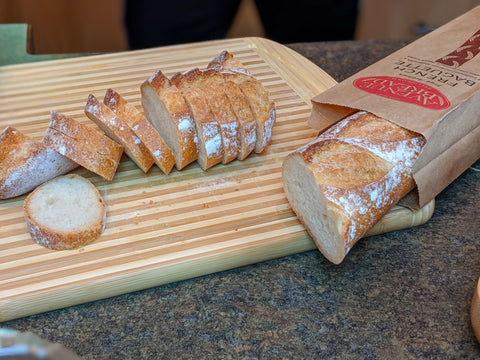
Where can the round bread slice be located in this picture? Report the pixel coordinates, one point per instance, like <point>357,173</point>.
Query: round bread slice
<point>65,213</point>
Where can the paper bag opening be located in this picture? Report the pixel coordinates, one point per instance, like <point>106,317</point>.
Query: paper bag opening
<point>432,87</point>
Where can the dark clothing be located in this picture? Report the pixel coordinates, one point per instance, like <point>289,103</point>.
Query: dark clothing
<point>152,23</point>
<point>288,21</point>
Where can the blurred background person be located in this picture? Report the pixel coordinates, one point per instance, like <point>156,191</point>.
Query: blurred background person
<point>152,23</point>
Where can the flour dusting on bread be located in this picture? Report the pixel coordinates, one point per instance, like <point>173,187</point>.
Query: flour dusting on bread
<point>26,163</point>
<point>344,181</point>
<point>210,116</point>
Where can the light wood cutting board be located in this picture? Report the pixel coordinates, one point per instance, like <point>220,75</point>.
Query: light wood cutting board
<point>160,228</point>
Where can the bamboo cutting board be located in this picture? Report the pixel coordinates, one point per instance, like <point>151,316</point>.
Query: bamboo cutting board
<point>160,228</point>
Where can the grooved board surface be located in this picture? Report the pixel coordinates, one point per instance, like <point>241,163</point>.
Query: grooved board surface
<point>160,228</point>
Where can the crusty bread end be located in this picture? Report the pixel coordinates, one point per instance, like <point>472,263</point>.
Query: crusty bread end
<point>26,163</point>
<point>343,182</point>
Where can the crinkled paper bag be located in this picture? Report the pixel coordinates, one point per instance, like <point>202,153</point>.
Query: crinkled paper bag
<point>431,86</point>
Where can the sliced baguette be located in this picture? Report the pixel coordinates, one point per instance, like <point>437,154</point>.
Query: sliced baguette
<point>26,163</point>
<point>209,82</point>
<point>166,109</point>
<point>65,213</point>
<point>210,145</point>
<point>84,145</point>
<point>246,121</point>
<point>229,125</point>
<point>261,105</point>
<point>161,153</point>
<point>116,128</point>
<point>239,105</point>
<point>241,109</point>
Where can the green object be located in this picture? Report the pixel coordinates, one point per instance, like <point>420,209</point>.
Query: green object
<point>13,46</point>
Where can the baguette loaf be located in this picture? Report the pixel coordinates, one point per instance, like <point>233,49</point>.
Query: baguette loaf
<point>116,128</point>
<point>65,213</point>
<point>84,145</point>
<point>343,182</point>
<point>161,153</point>
<point>261,105</point>
<point>26,163</point>
<point>166,109</point>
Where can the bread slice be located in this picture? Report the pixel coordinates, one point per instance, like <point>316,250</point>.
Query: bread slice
<point>161,153</point>
<point>230,108</point>
<point>224,114</point>
<point>210,145</point>
<point>226,61</point>
<point>26,163</point>
<point>167,111</point>
<point>210,83</point>
<point>116,128</point>
<point>241,109</point>
<point>84,145</point>
<point>65,213</point>
<point>343,182</point>
<point>247,125</point>
<point>258,97</point>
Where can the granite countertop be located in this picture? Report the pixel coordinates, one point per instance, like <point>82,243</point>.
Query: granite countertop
<point>403,295</point>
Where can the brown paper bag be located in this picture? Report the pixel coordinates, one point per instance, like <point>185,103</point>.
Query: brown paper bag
<point>431,86</point>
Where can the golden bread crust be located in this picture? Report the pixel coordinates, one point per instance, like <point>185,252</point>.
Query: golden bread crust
<point>159,150</point>
<point>235,117</point>
<point>223,111</point>
<point>210,147</point>
<point>84,145</point>
<point>361,166</point>
<point>26,163</point>
<point>247,124</point>
<point>116,128</point>
<point>222,99</point>
<point>167,111</point>
<point>226,60</point>
<point>262,107</point>
<point>209,94</point>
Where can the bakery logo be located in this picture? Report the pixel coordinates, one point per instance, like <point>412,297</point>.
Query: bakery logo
<point>408,91</point>
<point>466,52</point>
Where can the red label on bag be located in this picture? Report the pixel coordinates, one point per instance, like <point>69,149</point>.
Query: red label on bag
<point>408,91</point>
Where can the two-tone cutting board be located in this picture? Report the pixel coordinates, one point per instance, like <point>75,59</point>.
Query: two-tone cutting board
<point>160,228</point>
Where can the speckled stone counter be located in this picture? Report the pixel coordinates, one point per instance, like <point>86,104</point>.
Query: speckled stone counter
<point>401,295</point>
